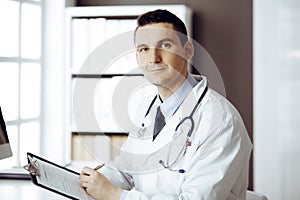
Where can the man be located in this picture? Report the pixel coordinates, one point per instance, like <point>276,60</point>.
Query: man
<point>196,148</point>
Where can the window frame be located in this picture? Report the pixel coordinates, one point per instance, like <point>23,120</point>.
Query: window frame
<point>15,161</point>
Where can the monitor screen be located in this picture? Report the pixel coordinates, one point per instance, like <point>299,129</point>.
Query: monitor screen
<point>5,149</point>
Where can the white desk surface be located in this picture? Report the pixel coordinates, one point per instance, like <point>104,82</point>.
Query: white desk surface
<point>12,189</point>
<point>24,190</point>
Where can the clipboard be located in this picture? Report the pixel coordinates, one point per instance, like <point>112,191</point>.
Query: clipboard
<point>55,178</point>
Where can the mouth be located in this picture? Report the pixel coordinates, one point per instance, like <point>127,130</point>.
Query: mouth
<point>156,68</point>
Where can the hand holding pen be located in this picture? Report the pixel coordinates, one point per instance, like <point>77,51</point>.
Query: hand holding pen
<point>96,184</point>
<point>87,171</point>
<point>99,167</point>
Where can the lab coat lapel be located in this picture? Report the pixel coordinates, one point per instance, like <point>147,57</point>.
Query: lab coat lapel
<point>146,145</point>
<point>184,110</point>
<point>148,153</point>
<point>166,134</point>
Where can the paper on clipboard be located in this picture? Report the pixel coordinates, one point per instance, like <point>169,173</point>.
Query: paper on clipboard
<point>55,178</point>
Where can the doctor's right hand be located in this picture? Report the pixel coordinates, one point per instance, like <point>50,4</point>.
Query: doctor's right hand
<point>98,186</point>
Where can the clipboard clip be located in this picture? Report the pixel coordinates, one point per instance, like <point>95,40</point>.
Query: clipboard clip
<point>32,167</point>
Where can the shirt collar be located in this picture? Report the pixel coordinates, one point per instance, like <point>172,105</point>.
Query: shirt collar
<point>172,103</point>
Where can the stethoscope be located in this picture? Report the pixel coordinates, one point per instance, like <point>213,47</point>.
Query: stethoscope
<point>189,133</point>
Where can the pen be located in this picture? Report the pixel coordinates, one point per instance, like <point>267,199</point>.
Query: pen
<point>98,167</point>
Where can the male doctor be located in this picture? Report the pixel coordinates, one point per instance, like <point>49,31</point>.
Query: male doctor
<point>192,143</point>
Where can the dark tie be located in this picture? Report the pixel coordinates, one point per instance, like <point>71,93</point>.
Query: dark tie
<point>159,122</point>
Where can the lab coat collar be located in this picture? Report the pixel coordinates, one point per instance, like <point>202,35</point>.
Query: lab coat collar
<point>172,103</point>
<point>167,133</point>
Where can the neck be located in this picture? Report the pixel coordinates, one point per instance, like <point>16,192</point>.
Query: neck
<point>167,91</point>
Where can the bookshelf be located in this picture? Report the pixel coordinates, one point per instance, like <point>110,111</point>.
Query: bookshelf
<point>105,86</point>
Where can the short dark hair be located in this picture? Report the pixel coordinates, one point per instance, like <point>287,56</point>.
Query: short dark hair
<point>163,16</point>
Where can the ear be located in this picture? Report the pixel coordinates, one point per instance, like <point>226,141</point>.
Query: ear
<point>189,50</point>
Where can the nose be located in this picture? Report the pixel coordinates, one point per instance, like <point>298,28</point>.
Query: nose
<point>155,55</point>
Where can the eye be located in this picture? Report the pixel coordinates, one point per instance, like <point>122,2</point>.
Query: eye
<point>142,49</point>
<point>166,45</point>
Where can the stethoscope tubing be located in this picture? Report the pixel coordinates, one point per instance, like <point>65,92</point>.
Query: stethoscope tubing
<point>190,118</point>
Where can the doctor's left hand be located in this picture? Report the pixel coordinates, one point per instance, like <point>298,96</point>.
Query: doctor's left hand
<point>98,186</point>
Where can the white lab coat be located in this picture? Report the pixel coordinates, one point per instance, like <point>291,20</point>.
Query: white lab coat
<point>216,163</point>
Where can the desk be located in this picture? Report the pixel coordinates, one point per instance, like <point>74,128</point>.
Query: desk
<point>24,190</point>
<point>12,189</point>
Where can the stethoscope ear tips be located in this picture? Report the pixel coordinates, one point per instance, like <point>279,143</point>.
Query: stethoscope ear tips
<point>181,171</point>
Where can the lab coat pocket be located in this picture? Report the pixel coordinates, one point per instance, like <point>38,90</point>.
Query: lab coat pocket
<point>169,182</point>
<point>177,149</point>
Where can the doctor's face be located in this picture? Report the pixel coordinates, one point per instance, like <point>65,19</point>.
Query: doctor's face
<point>161,55</point>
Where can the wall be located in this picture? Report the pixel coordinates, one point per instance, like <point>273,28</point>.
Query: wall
<point>224,29</point>
<point>53,93</point>
<point>277,98</point>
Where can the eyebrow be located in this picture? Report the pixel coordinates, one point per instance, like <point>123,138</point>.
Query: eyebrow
<point>159,42</point>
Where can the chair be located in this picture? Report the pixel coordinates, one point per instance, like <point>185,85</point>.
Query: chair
<point>250,195</point>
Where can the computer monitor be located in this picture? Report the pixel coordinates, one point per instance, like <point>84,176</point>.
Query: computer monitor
<point>5,149</point>
<point>5,152</point>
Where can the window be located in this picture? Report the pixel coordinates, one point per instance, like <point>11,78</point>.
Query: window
<point>20,76</point>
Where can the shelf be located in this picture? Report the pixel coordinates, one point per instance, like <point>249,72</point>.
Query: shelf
<point>103,75</point>
<point>100,133</point>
